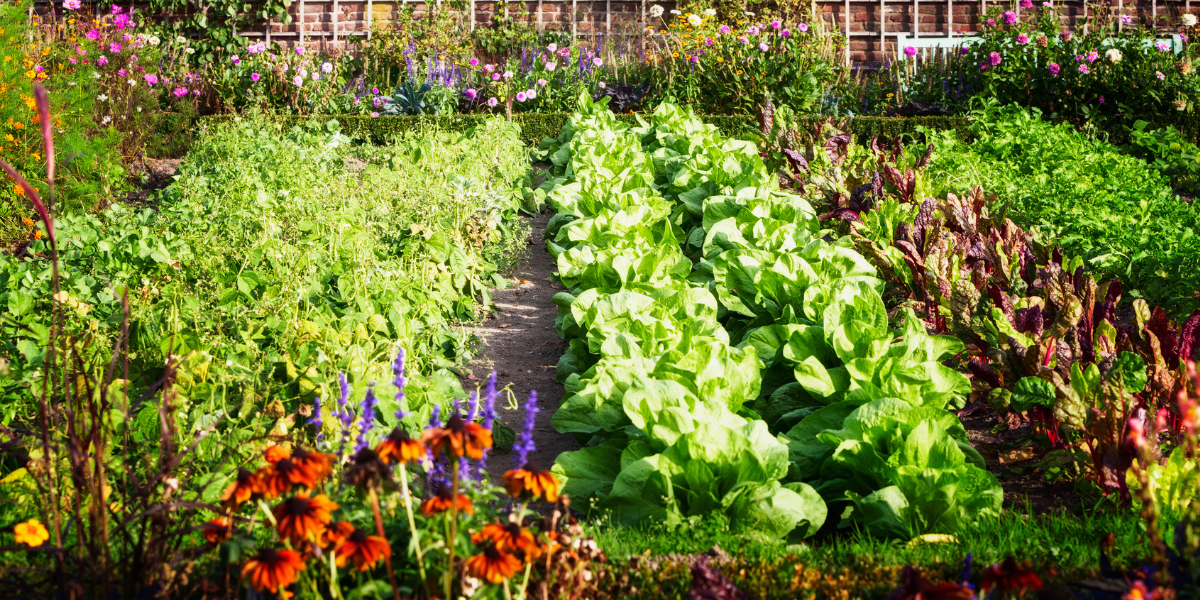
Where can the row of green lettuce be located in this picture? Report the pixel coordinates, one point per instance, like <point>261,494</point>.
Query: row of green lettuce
<point>723,356</point>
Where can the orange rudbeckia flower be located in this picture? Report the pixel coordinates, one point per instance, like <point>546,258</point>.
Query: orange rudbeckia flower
<point>273,570</point>
<point>443,499</point>
<point>493,565</point>
<point>336,533</point>
<point>365,550</point>
<point>398,447</point>
<point>531,482</point>
<point>241,490</point>
<point>280,477</point>
<point>276,453</point>
<point>319,463</point>
<point>217,530</point>
<point>460,437</point>
<point>510,538</point>
<point>302,518</point>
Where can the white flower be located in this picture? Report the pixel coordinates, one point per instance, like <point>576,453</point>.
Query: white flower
<point>102,97</point>
<point>508,74</point>
<point>180,40</point>
<point>656,11</point>
<point>552,48</point>
<point>601,84</point>
<point>675,12</point>
<point>96,75</point>
<point>139,109</point>
<point>304,72</point>
<point>694,20</point>
<point>749,14</point>
<point>154,41</point>
<point>531,93</point>
<point>190,50</point>
<point>106,120</point>
<point>132,83</point>
<point>710,12</point>
<point>1113,55</point>
<point>1189,20</point>
<point>70,83</point>
<point>327,67</point>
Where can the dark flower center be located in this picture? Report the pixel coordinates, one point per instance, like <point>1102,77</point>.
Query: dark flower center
<point>297,506</point>
<point>358,536</point>
<point>456,424</point>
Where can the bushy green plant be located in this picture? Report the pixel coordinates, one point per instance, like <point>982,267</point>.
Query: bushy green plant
<point>1167,151</point>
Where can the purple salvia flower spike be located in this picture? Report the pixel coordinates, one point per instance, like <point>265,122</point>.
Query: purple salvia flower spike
<point>525,443</point>
<point>472,407</point>
<point>400,382</point>
<point>434,420</point>
<point>489,401</point>
<point>316,421</point>
<point>366,418</point>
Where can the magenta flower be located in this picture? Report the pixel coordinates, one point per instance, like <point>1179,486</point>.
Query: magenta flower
<point>775,25</point>
<point>763,46</point>
<point>551,65</point>
<point>492,102</point>
<point>255,77</point>
<point>743,40</point>
<point>752,30</point>
<point>122,72</point>
<point>471,93</point>
<point>121,21</point>
<point>374,114</point>
<point>724,29</point>
<point>1084,69</point>
<point>1022,38</point>
<point>235,59</point>
<point>116,10</point>
<point>299,50</point>
<point>964,50</point>
<point>785,33</point>
<point>994,58</point>
<point>114,47</point>
<point>1065,36</point>
<point>909,51</point>
<point>520,96</point>
<point>297,81</point>
<point>488,68</point>
<point>93,34</point>
<point>474,62</point>
<point>1053,68</point>
<point>983,66</point>
<point>1093,56</point>
<point>1101,99</point>
<point>1010,17</point>
<point>72,4</point>
<point>597,62</point>
<point>103,60</point>
<point>180,92</point>
<point>1026,3</point>
<point>709,41</point>
<point>1162,46</point>
<point>150,78</point>
<point>495,77</point>
<point>375,91</point>
<point>1160,75</point>
<point>990,22</point>
<point>695,59</point>
<point>803,27</point>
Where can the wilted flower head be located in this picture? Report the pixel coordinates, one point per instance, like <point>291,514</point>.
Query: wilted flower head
<point>1043,41</point>
<point>1113,55</point>
<point>1065,36</point>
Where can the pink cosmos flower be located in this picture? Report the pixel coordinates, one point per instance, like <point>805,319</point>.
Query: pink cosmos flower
<point>72,4</point>
<point>103,60</point>
<point>116,10</point>
<point>93,34</point>
<point>1084,69</point>
<point>150,78</point>
<point>122,72</point>
<point>1162,46</point>
<point>1160,75</point>
<point>114,47</point>
<point>180,92</point>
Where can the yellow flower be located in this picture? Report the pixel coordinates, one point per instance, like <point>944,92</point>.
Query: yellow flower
<point>9,137</point>
<point>720,59</point>
<point>31,533</point>
<point>739,71</point>
<point>890,95</point>
<point>675,54</point>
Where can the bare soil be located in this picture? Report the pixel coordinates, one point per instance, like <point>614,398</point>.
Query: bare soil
<point>1010,456</point>
<point>156,174</point>
<point>521,345</point>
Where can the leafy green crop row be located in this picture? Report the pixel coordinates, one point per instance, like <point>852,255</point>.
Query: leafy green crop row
<point>274,261</point>
<point>724,357</point>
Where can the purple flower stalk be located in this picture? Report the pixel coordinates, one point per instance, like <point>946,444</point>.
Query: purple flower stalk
<point>434,420</point>
<point>315,420</point>
<point>343,413</point>
<point>525,443</point>
<point>400,381</point>
<point>366,417</point>
<point>472,407</point>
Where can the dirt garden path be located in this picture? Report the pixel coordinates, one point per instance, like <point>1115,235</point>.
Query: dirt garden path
<point>521,345</point>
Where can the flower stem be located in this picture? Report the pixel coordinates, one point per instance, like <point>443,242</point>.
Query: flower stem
<point>379,530</point>
<point>412,526</point>
<point>452,538</point>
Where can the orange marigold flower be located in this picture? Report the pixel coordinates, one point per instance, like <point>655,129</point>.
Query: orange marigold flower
<point>37,234</point>
<point>18,190</point>
<point>531,482</point>
<point>398,447</point>
<point>460,437</point>
<point>217,530</point>
<point>273,570</point>
<point>493,565</point>
<point>301,518</point>
<point>365,550</point>
<point>510,538</point>
<point>337,533</point>
<point>27,221</point>
<point>31,533</point>
<point>1008,577</point>
<point>443,500</point>
<point>246,486</point>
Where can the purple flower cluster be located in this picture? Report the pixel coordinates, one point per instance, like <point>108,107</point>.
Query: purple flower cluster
<point>525,443</point>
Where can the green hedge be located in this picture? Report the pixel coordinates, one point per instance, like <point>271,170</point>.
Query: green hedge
<point>175,131</point>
